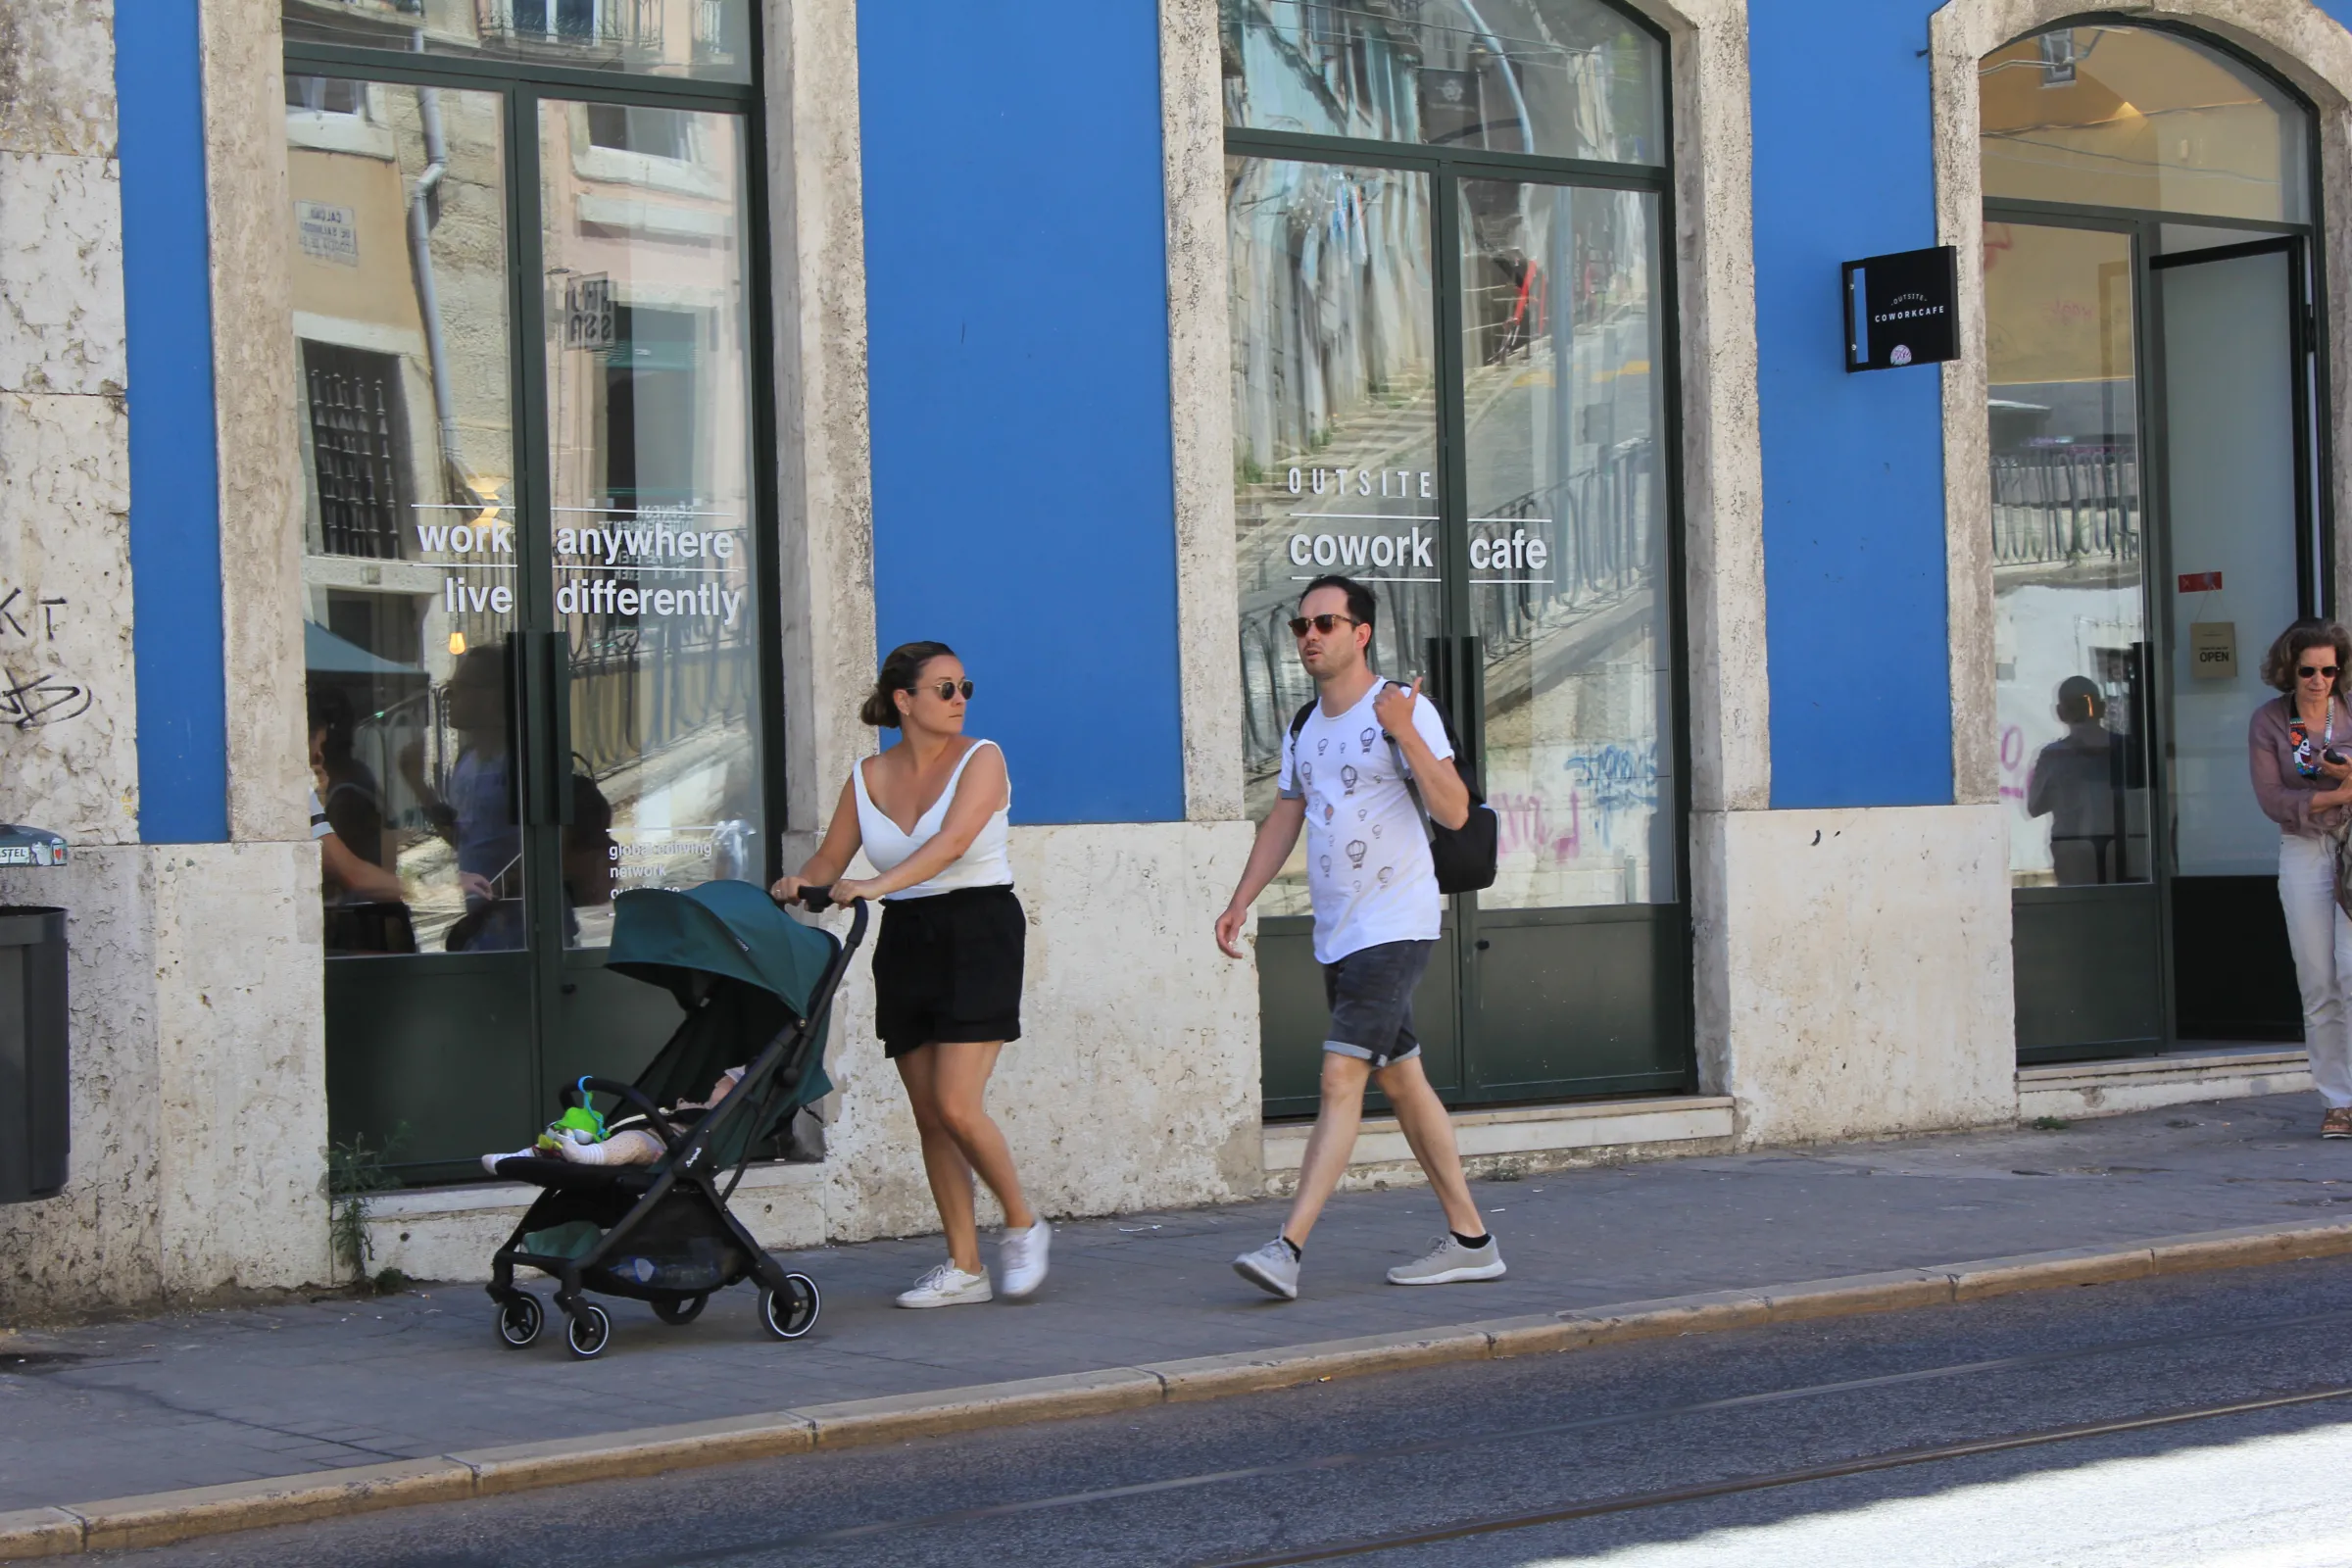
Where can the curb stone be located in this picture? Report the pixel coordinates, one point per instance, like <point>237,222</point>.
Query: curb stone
<point>163,1517</point>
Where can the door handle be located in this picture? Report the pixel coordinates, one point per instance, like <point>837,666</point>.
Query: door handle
<point>556,682</point>
<point>1483,944</point>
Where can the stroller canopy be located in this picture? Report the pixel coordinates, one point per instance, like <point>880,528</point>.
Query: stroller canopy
<point>730,929</point>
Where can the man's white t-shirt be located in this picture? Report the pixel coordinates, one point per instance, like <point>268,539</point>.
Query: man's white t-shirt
<point>1368,870</point>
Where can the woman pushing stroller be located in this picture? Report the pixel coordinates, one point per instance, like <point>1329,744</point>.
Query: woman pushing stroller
<point>931,814</point>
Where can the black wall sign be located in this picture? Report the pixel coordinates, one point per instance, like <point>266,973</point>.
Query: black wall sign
<point>1899,309</point>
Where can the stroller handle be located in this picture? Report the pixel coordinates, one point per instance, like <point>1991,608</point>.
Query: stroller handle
<point>816,898</point>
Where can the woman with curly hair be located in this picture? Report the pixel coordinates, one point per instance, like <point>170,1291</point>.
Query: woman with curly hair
<point>2300,748</point>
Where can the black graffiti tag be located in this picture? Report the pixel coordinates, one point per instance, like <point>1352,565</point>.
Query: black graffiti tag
<point>43,698</point>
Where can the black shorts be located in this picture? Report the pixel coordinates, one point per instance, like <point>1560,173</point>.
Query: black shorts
<point>1371,996</point>
<point>948,967</point>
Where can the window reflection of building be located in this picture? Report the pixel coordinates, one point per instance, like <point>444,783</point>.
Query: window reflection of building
<point>399,308</point>
<point>651,482</point>
<point>1566,78</point>
<point>701,38</point>
<point>1333,290</point>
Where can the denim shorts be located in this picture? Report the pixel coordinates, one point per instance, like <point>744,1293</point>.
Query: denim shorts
<point>1371,996</point>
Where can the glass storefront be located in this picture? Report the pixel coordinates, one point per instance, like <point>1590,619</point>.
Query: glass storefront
<point>1450,381</point>
<point>2151,358</point>
<point>532,566</point>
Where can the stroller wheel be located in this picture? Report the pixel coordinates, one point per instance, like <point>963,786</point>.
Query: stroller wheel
<point>790,1312</point>
<point>682,1311</point>
<point>589,1331</point>
<point>518,1319</point>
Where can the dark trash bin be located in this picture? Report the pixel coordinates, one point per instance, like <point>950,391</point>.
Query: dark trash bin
<point>33,1103</point>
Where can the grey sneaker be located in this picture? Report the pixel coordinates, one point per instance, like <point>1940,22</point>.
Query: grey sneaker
<point>1271,1268</point>
<point>1449,1262</point>
<point>1021,1258</point>
<point>948,1285</point>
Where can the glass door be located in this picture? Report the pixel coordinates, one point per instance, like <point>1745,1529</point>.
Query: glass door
<point>1576,968</point>
<point>534,588</point>
<point>2239,491</point>
<point>1335,402</point>
<point>2071,636</point>
<point>1522,569</point>
<point>2154,528</point>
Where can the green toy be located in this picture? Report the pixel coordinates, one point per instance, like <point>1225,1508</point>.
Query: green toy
<point>581,1124</point>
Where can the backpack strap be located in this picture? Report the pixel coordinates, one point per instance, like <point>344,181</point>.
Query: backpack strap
<point>1405,771</point>
<point>1298,723</point>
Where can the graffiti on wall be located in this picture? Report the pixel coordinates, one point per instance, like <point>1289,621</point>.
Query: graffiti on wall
<point>44,697</point>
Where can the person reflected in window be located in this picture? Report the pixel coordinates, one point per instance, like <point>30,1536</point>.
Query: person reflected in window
<point>354,801</point>
<point>2080,781</point>
<point>348,874</point>
<point>591,856</point>
<point>477,813</point>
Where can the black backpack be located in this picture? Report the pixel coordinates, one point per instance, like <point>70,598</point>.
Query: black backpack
<point>1464,857</point>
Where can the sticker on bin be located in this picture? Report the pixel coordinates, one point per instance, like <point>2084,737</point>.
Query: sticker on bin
<point>30,846</point>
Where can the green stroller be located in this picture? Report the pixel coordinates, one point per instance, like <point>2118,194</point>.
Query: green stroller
<point>757,987</point>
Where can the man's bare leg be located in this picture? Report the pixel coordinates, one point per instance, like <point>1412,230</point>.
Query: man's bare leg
<point>1329,1144</point>
<point>1429,1129</point>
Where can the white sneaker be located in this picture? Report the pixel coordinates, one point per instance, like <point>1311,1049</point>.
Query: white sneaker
<point>490,1161</point>
<point>1021,1258</point>
<point>1449,1262</point>
<point>948,1285</point>
<point>1272,1268</point>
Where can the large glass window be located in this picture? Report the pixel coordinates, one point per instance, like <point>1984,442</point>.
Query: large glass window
<point>532,562</point>
<point>1567,521</point>
<point>704,39</point>
<point>1450,382</point>
<point>1563,78</point>
<point>401,261</point>
<point>2070,632</point>
<point>649,386</point>
<point>2119,117</point>
<point>1335,394</point>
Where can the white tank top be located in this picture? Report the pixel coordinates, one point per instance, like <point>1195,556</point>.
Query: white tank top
<point>984,864</point>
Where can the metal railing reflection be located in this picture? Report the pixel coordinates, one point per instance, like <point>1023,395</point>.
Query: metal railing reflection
<point>2063,504</point>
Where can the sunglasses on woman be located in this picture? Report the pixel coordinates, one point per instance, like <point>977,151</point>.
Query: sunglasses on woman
<point>1326,624</point>
<point>2315,672</point>
<point>947,691</point>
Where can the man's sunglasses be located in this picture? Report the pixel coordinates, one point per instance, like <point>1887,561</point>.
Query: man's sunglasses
<point>2313,671</point>
<point>1326,624</point>
<point>947,691</point>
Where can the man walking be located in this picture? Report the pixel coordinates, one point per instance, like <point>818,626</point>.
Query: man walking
<point>1375,896</point>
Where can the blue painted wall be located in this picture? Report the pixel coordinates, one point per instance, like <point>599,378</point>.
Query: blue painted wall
<point>174,490</point>
<point>1016,298</point>
<point>1853,465</point>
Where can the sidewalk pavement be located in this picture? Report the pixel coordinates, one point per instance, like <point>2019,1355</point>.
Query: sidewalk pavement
<point>202,1399</point>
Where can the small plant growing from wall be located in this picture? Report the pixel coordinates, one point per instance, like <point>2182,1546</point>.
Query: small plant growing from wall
<point>355,1173</point>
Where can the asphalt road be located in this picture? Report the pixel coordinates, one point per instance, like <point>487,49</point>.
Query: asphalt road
<point>1678,1453</point>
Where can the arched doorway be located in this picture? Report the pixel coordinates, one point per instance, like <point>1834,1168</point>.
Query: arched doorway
<point>2159,512</point>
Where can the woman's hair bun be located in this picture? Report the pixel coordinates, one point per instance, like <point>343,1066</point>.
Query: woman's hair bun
<point>900,671</point>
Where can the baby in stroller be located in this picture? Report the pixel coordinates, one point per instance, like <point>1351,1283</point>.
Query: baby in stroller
<point>584,1137</point>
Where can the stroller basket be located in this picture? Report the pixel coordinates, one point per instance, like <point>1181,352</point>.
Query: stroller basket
<point>758,988</point>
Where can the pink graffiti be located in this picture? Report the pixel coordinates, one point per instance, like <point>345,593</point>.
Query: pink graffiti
<point>1526,825</point>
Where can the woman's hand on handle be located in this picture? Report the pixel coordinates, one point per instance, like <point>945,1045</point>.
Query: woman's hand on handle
<point>787,889</point>
<point>847,892</point>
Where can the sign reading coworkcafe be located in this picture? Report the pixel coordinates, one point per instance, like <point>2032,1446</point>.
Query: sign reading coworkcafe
<point>1899,310</point>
